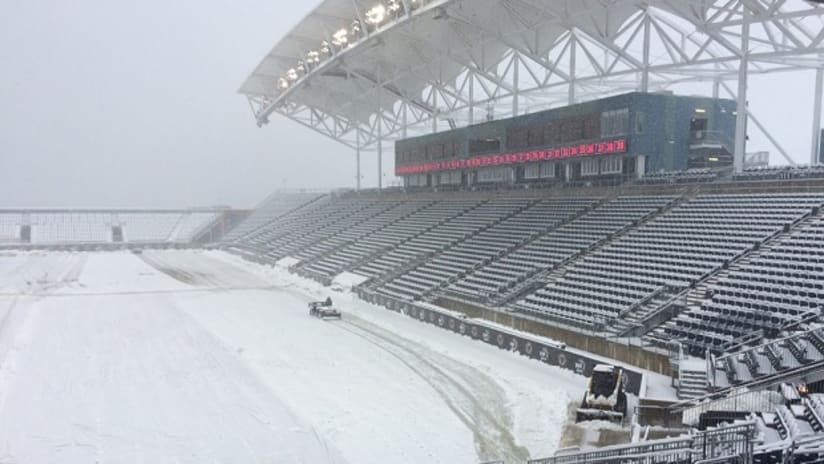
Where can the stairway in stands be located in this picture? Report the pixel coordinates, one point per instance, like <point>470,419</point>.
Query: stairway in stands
<point>692,381</point>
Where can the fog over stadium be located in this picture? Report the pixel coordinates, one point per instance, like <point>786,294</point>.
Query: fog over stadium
<point>100,99</point>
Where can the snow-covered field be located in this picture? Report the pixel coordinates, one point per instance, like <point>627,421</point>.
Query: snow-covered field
<point>185,356</point>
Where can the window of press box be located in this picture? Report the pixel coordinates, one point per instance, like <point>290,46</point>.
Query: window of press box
<point>484,146</point>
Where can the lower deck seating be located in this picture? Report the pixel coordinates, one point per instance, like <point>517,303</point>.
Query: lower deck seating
<point>463,242</point>
<point>273,207</point>
<point>558,244</point>
<point>10,227</point>
<point>777,286</point>
<point>779,357</point>
<point>672,251</point>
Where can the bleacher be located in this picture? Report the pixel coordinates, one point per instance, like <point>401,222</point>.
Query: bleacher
<point>789,431</point>
<point>774,288</point>
<point>467,241</point>
<point>784,359</point>
<point>274,206</point>
<point>426,233</point>
<point>384,231</point>
<point>815,171</point>
<point>90,228</point>
<point>668,254</point>
<point>680,177</point>
<point>10,227</point>
<point>71,228</point>
<point>558,244</point>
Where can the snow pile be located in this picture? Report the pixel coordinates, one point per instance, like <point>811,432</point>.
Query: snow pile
<point>347,280</point>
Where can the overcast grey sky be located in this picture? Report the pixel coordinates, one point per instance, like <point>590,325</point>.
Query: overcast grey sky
<point>111,103</point>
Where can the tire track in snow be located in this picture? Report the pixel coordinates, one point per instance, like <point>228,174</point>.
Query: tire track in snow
<point>471,395</point>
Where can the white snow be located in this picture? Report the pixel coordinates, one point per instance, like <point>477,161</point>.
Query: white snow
<point>186,356</point>
<point>348,280</point>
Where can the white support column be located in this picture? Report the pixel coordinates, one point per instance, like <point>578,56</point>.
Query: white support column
<point>379,122</point>
<point>380,153</point>
<point>572,66</point>
<point>743,76</point>
<point>815,156</point>
<point>645,72</point>
<point>471,98</point>
<point>516,62</point>
<point>404,111</point>
<point>357,160</point>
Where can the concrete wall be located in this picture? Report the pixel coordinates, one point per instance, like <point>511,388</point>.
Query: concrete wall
<point>548,353</point>
<point>633,355</point>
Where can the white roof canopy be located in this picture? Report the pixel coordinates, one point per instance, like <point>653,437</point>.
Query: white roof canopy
<point>420,65</point>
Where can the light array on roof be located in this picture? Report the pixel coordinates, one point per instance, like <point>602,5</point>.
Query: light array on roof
<point>379,15</point>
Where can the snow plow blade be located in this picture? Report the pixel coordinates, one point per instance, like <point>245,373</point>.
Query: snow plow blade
<point>583,415</point>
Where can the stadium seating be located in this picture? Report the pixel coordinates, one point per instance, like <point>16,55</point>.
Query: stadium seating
<point>464,242</point>
<point>785,357</point>
<point>10,227</point>
<point>274,206</point>
<point>559,244</point>
<point>773,288</point>
<point>670,253</point>
<point>680,177</point>
<point>295,234</point>
<point>815,171</point>
<point>384,231</point>
<point>426,233</point>
<point>71,227</point>
<point>598,261</point>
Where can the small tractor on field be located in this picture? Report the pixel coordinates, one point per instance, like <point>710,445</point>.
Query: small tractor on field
<point>324,309</point>
<point>605,398</point>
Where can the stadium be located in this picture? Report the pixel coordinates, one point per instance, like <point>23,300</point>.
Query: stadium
<point>575,259</point>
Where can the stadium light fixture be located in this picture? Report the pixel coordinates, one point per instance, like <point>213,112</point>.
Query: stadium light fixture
<point>376,14</point>
<point>340,38</point>
<point>356,29</point>
<point>292,74</point>
<point>283,84</point>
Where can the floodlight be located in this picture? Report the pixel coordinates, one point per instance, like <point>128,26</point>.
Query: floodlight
<point>340,38</point>
<point>376,14</point>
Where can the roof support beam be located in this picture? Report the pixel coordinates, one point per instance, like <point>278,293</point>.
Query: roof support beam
<point>741,117</point>
<point>818,94</point>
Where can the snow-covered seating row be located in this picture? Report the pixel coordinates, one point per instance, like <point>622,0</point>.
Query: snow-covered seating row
<point>10,224</point>
<point>273,207</point>
<point>559,243</point>
<point>678,177</point>
<point>775,359</point>
<point>396,225</point>
<point>296,232</point>
<point>815,171</point>
<point>99,226</point>
<point>777,286</point>
<point>70,227</point>
<point>674,250</point>
<point>433,229</point>
<point>463,242</point>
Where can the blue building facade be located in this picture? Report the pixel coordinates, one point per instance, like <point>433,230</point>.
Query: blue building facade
<point>622,136</point>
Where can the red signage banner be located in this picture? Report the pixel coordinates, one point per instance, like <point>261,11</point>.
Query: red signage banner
<point>576,151</point>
